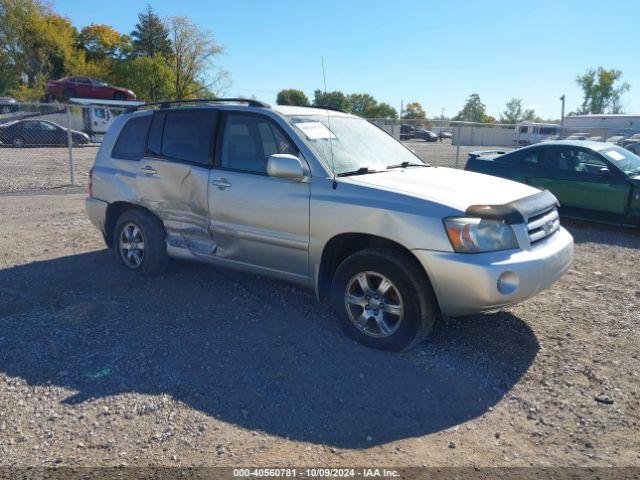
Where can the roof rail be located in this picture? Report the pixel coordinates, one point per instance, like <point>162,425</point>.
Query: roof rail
<point>167,104</point>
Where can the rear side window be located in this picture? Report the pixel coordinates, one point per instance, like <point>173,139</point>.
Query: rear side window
<point>188,135</point>
<point>132,142</point>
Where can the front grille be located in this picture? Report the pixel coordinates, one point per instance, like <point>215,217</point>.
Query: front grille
<point>543,225</point>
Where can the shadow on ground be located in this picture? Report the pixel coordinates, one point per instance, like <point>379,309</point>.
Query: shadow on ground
<point>591,232</point>
<point>250,351</point>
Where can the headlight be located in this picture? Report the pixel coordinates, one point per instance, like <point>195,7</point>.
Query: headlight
<point>473,235</point>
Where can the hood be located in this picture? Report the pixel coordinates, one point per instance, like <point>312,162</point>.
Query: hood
<point>455,188</point>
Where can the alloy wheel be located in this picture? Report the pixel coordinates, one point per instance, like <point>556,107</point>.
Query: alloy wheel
<point>131,245</point>
<point>374,304</point>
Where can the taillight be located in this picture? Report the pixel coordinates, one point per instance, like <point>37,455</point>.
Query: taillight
<point>90,188</point>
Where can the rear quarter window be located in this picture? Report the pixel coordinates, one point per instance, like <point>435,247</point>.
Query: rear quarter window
<point>132,141</point>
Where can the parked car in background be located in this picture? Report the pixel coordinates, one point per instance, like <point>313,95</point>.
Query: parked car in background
<point>8,105</point>
<point>328,200</point>
<point>86,87</point>
<point>33,133</point>
<point>616,139</point>
<point>444,134</point>
<point>593,181</point>
<point>408,132</point>
<point>578,136</point>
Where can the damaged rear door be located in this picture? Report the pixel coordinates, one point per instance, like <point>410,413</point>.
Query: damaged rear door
<point>174,175</point>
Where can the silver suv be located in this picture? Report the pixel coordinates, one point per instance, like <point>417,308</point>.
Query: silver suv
<point>327,200</point>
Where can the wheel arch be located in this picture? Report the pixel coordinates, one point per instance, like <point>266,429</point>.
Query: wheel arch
<point>341,246</point>
<point>114,210</point>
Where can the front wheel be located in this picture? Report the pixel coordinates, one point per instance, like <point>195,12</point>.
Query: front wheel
<point>139,242</point>
<point>383,299</point>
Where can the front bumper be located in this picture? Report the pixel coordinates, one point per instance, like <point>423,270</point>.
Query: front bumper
<point>97,212</point>
<point>468,283</point>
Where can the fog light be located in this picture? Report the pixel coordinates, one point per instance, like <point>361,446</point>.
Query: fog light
<point>508,283</point>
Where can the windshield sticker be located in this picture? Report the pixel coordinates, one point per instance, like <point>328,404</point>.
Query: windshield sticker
<point>614,155</point>
<point>315,130</point>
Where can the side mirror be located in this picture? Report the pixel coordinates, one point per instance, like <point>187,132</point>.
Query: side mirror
<point>604,172</point>
<point>284,165</point>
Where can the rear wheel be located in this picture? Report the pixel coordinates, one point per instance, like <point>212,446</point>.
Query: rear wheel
<point>383,299</point>
<point>139,242</point>
<point>18,142</point>
<point>68,93</point>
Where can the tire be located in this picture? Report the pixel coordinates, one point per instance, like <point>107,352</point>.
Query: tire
<point>409,290</point>
<point>153,259</point>
<point>68,93</point>
<point>119,96</point>
<point>18,142</point>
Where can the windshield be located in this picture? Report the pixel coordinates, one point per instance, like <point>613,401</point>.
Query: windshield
<point>625,160</point>
<point>355,143</point>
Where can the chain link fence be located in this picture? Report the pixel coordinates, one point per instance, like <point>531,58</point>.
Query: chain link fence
<point>49,146</point>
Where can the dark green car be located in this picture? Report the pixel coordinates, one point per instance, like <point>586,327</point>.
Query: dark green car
<point>592,180</point>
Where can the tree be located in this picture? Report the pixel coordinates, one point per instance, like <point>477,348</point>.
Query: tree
<point>292,96</point>
<point>150,77</point>
<point>515,112</point>
<point>194,53</point>
<point>150,36</point>
<point>103,43</point>
<point>361,103</point>
<point>600,92</point>
<point>473,111</point>
<point>381,110</point>
<point>335,99</point>
<point>36,45</point>
<point>414,111</point>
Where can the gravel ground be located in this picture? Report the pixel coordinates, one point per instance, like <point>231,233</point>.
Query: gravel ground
<point>31,169</point>
<point>205,366</point>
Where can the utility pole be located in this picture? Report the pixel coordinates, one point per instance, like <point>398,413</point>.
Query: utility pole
<point>562,99</point>
<point>401,108</point>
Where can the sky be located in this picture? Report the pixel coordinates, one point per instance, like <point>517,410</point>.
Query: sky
<point>433,52</point>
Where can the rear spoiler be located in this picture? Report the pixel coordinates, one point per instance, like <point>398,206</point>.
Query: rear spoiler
<point>480,153</point>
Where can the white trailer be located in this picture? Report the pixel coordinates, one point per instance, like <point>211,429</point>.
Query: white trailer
<point>527,133</point>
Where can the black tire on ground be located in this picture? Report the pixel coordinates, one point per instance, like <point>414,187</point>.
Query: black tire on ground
<point>18,142</point>
<point>68,93</point>
<point>119,96</point>
<point>420,304</point>
<point>155,259</point>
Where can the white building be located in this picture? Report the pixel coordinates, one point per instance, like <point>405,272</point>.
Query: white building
<point>608,124</point>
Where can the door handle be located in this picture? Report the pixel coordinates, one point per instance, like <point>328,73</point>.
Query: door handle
<point>221,183</point>
<point>148,170</point>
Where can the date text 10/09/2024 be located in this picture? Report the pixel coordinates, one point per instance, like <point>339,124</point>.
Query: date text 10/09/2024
<point>315,473</point>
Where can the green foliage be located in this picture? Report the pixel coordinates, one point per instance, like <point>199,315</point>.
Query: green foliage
<point>292,96</point>
<point>150,36</point>
<point>474,111</point>
<point>515,112</point>
<point>381,110</point>
<point>602,91</point>
<point>335,99</point>
<point>150,77</point>
<point>361,103</point>
<point>103,43</point>
<point>414,111</point>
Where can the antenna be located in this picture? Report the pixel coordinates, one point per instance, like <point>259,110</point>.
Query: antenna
<point>333,165</point>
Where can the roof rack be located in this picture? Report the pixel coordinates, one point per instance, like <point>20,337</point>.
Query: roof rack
<point>167,104</point>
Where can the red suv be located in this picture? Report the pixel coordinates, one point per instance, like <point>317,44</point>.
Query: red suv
<point>86,87</point>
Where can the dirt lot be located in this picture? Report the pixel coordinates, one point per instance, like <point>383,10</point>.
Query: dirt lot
<point>211,367</point>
